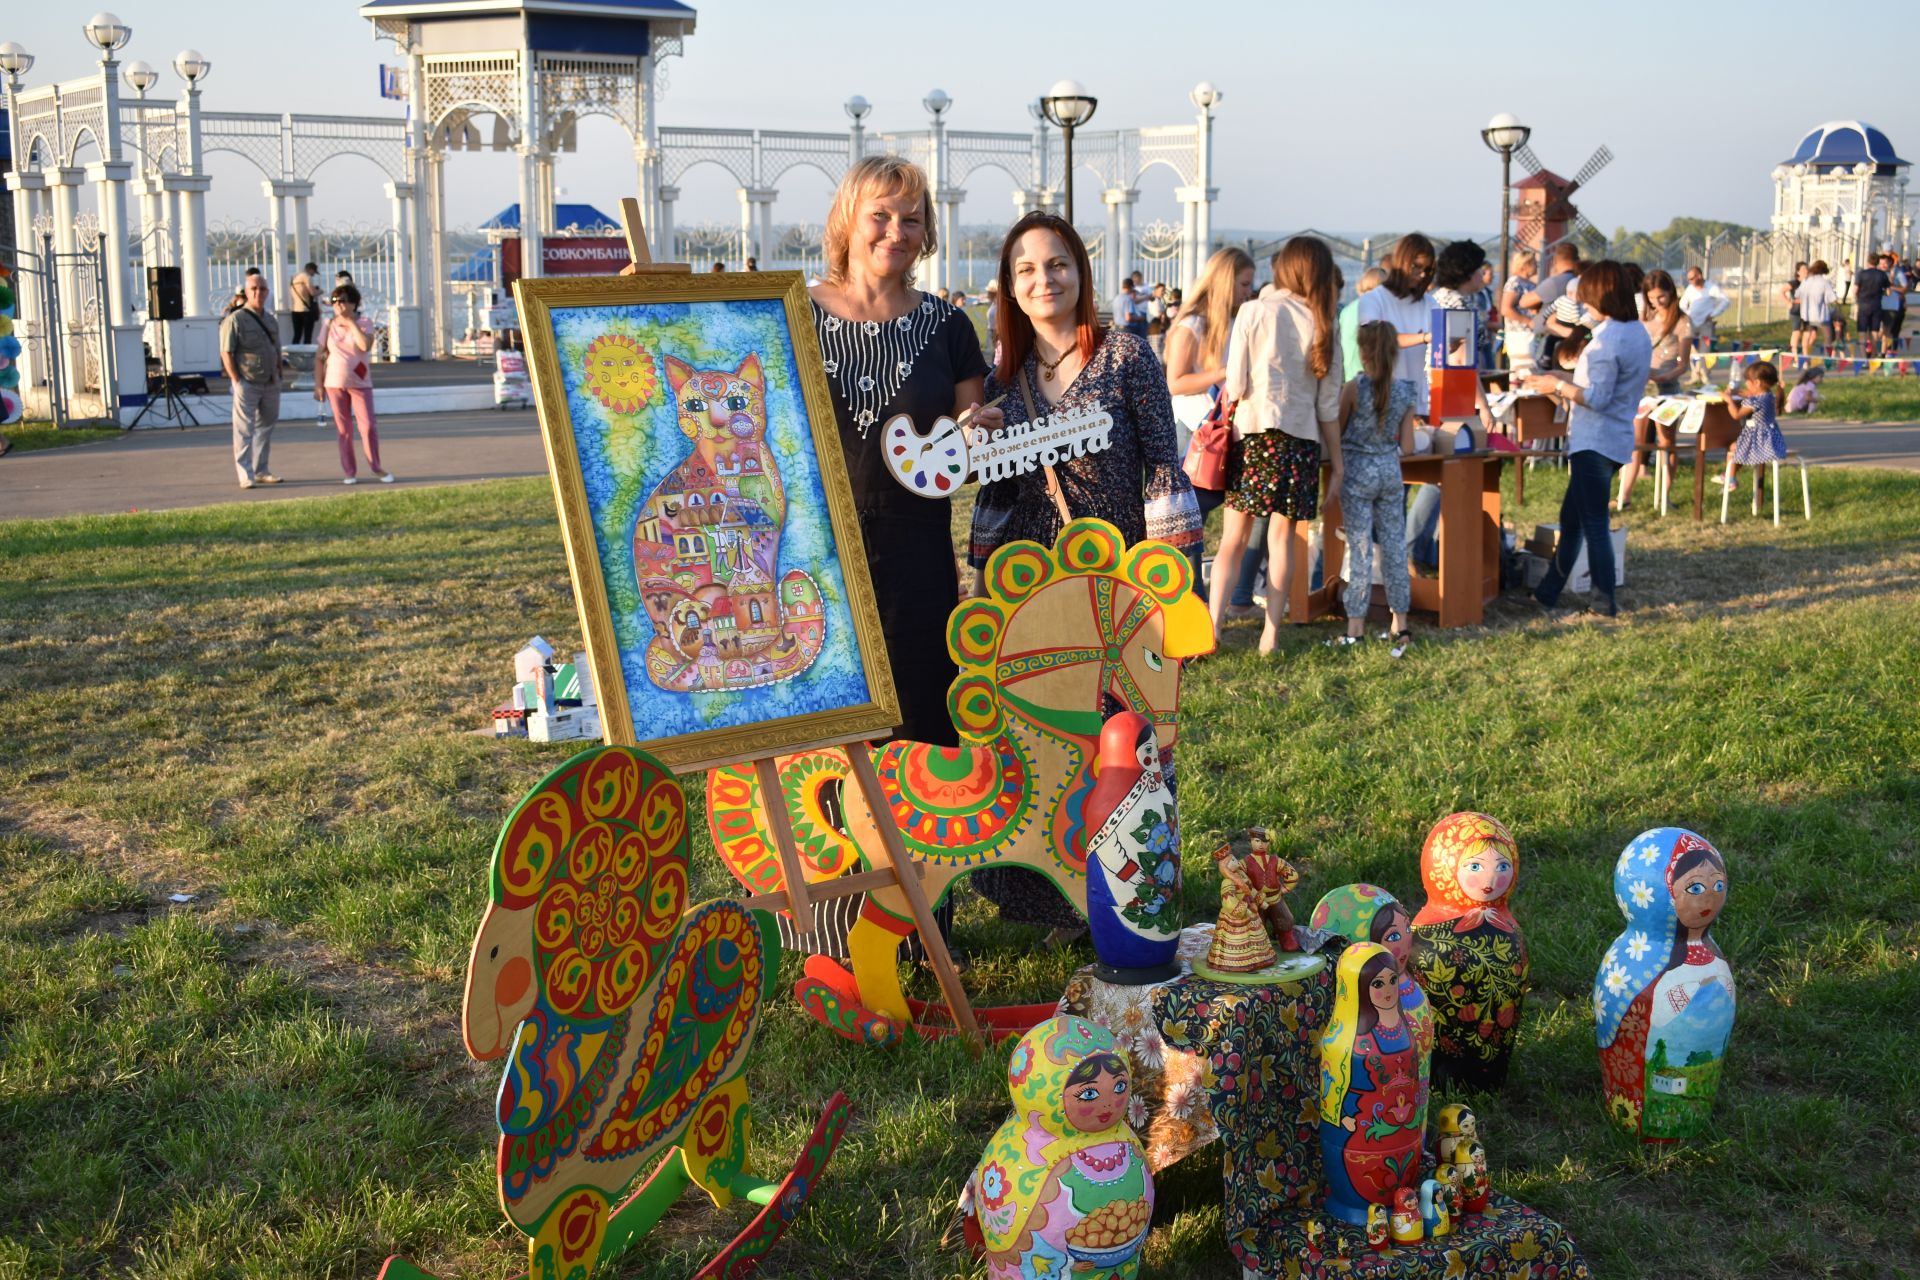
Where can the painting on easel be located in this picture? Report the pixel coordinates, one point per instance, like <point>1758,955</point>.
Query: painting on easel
<point>719,570</point>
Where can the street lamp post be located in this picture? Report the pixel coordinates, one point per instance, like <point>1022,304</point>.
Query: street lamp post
<point>1505,135</point>
<point>1066,107</point>
<point>938,103</point>
<point>857,108</point>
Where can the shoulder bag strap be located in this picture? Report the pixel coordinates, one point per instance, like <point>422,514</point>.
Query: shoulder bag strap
<point>1053,480</point>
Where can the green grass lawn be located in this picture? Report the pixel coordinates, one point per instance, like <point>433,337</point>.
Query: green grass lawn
<point>28,436</point>
<point>270,708</point>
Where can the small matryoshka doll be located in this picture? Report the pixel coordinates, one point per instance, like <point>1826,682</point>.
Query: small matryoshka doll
<point>1476,1184</point>
<point>1467,949</point>
<point>1067,1150</point>
<point>1373,1086</point>
<point>1452,1124</point>
<point>1663,999</point>
<point>1433,1209</point>
<point>1407,1226</point>
<point>1133,858</point>
<point>1378,1239</point>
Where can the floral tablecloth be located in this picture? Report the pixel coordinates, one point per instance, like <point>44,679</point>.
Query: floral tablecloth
<point>1260,1065</point>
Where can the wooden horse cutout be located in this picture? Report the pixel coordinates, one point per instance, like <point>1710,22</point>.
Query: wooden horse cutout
<point>1062,633</point>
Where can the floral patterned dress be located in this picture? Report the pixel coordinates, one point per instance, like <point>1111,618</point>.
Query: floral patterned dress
<point>1469,954</point>
<point>1135,482</point>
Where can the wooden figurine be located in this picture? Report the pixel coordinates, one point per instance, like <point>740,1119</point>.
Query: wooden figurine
<point>1468,951</point>
<point>1133,858</point>
<point>1433,1210</point>
<point>1064,1185</point>
<point>1407,1225</point>
<point>1663,999</point>
<point>1240,940</point>
<point>1253,893</point>
<point>1377,1229</point>
<point>1373,1087</point>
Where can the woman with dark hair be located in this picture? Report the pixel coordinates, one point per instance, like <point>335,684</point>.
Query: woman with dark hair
<point>1283,367</point>
<point>342,378</point>
<point>1601,397</point>
<point>1671,334</point>
<point>1456,279</point>
<point>1402,303</point>
<point>1056,357</point>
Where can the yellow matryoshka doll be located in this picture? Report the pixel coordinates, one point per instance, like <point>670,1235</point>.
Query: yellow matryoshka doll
<point>1467,948</point>
<point>1373,1086</point>
<point>1063,1187</point>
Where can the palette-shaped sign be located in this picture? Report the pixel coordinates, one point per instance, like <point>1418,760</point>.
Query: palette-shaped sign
<point>936,462</point>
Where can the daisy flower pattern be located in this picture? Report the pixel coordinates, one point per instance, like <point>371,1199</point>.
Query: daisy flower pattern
<point>1642,893</point>
<point>1637,945</point>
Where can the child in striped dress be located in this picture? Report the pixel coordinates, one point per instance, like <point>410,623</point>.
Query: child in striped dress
<point>1757,405</point>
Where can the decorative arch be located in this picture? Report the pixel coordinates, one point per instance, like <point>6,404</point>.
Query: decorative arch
<point>79,137</point>
<point>805,162</point>
<point>676,172</point>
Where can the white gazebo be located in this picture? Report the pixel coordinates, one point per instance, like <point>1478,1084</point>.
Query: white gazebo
<point>519,75</point>
<point>1843,194</point>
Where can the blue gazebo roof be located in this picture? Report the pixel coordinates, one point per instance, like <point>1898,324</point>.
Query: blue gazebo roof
<point>1843,144</point>
<point>583,216</point>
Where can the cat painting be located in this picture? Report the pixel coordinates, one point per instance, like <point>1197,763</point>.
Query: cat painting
<point>706,546</point>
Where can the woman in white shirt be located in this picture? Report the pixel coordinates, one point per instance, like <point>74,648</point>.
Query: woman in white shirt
<point>1283,367</point>
<point>1402,303</point>
<point>1817,303</point>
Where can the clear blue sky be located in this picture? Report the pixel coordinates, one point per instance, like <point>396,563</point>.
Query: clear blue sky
<point>1355,116</point>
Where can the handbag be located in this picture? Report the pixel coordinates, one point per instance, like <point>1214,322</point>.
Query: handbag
<point>1206,460</point>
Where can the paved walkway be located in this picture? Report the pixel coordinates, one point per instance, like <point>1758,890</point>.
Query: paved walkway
<point>166,469</point>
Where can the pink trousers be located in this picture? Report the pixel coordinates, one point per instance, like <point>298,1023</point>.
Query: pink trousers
<point>348,404</point>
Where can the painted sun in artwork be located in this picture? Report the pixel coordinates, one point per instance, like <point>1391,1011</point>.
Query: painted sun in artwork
<point>620,373</point>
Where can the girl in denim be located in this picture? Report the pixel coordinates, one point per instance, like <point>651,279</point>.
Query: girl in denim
<point>1377,410</point>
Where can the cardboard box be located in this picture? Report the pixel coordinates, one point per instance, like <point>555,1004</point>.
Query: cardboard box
<point>1454,437</point>
<point>1546,539</point>
<point>509,722</point>
<point>564,725</point>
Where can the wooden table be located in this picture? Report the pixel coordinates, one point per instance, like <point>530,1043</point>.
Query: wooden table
<point>1533,419</point>
<point>1469,540</point>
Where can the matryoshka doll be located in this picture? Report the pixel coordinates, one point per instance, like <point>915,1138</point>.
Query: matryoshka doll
<point>1467,949</point>
<point>1663,999</point>
<point>1407,1225</point>
<point>1368,913</point>
<point>1133,858</point>
<point>1063,1187</point>
<point>1373,1086</point>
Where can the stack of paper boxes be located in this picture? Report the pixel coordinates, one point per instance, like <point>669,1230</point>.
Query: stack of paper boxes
<point>549,703</point>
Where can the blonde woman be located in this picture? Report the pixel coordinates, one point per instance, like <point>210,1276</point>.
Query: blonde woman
<point>889,349</point>
<point>1196,359</point>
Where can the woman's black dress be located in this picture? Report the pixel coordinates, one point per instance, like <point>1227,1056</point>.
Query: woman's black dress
<point>876,370</point>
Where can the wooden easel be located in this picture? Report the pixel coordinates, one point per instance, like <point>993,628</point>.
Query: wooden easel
<point>799,897</point>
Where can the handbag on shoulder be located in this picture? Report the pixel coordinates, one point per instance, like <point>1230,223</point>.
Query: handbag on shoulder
<point>1206,460</point>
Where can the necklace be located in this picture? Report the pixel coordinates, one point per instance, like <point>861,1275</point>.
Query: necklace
<point>1049,367</point>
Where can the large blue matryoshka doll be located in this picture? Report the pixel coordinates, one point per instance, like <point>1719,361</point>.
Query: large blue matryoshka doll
<point>1063,1188</point>
<point>1663,999</point>
<point>1373,1085</point>
<point>1133,858</point>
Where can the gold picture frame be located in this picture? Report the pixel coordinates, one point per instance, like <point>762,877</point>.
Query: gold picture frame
<point>667,513</point>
